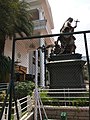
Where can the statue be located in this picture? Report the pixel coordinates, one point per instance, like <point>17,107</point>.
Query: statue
<point>67,41</point>
<point>57,48</point>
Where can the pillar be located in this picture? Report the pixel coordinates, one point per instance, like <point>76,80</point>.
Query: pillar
<point>42,67</point>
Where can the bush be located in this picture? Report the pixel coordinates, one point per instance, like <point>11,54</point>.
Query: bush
<point>2,95</point>
<point>24,88</point>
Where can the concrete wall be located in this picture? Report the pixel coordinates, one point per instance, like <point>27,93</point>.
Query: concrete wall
<point>73,113</point>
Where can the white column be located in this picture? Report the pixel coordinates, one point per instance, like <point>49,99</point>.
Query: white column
<point>36,84</point>
<point>42,77</point>
<point>41,17</point>
<point>42,67</point>
<point>30,71</point>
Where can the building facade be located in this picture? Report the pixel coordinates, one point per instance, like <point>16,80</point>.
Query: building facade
<point>25,49</point>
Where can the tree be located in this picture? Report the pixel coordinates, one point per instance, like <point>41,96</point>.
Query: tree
<point>15,18</point>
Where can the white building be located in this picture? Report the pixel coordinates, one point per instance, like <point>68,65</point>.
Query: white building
<point>24,49</point>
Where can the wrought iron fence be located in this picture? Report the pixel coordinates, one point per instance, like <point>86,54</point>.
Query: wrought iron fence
<point>25,69</point>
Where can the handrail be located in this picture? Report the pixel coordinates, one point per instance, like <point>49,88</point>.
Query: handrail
<point>3,86</point>
<point>65,92</point>
<point>27,108</point>
<point>76,89</point>
<point>64,96</point>
<point>52,35</point>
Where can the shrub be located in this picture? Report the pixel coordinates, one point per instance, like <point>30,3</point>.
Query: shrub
<point>2,95</point>
<point>24,88</point>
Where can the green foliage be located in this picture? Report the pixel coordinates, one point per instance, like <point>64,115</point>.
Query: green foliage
<point>79,102</point>
<point>2,95</point>
<point>46,99</point>
<point>49,100</point>
<point>24,88</point>
<point>5,63</point>
<point>15,17</point>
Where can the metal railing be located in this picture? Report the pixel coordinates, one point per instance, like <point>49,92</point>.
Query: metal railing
<point>39,24</point>
<point>65,97</point>
<point>25,107</point>
<point>11,85</point>
<point>3,86</point>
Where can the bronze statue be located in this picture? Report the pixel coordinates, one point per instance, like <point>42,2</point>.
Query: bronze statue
<point>57,48</point>
<point>67,41</point>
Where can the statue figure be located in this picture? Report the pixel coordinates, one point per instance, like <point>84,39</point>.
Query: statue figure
<point>67,41</point>
<point>57,48</point>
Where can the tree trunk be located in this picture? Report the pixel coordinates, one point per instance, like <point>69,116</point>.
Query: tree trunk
<point>2,43</point>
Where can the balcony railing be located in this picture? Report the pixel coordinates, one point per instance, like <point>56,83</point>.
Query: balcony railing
<point>39,24</point>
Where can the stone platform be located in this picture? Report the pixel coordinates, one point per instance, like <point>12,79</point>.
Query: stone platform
<point>65,57</point>
<point>66,71</point>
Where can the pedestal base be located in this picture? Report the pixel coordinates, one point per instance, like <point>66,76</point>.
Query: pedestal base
<point>66,73</point>
<point>65,57</point>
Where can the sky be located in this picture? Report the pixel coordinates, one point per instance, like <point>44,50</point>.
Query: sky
<point>77,9</point>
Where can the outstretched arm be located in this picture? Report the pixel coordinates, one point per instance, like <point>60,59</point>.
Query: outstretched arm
<point>76,23</point>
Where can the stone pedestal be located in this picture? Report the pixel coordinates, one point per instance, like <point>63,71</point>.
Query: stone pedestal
<point>66,73</point>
